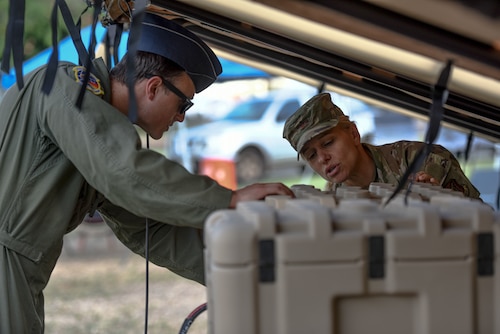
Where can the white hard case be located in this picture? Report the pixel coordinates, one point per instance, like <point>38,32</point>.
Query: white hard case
<point>324,264</point>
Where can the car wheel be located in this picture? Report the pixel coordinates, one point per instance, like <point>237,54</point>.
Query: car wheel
<point>249,166</point>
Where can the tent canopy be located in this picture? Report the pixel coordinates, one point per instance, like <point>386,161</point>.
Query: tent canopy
<point>67,52</point>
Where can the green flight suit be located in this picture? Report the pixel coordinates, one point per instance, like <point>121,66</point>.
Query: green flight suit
<point>58,163</point>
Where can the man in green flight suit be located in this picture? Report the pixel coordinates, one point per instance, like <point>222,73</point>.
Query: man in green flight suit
<point>59,163</point>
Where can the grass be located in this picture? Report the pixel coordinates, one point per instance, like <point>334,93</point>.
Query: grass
<point>101,289</point>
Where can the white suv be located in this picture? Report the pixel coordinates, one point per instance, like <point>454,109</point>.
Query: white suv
<point>250,135</point>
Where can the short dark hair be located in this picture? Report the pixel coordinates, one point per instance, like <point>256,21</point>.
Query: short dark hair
<point>146,63</point>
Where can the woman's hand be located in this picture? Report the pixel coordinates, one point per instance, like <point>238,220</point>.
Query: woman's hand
<point>426,178</point>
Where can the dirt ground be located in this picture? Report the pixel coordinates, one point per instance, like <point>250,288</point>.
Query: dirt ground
<point>98,286</point>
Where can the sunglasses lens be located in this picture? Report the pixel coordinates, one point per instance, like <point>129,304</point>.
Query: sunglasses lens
<point>185,106</point>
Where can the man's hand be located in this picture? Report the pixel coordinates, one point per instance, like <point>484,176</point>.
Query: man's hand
<point>426,178</point>
<point>259,191</point>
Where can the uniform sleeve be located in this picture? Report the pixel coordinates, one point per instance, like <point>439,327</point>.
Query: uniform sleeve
<point>105,148</point>
<point>177,248</point>
<point>442,165</point>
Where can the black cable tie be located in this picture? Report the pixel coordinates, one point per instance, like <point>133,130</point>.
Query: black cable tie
<point>116,41</point>
<point>470,137</point>
<point>497,201</point>
<point>74,31</point>
<point>439,97</point>
<point>14,37</point>
<point>50,73</point>
<point>133,39</point>
<point>88,64</point>
<point>8,38</point>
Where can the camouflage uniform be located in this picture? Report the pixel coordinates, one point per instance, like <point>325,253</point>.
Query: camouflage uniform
<point>392,160</point>
<point>319,114</point>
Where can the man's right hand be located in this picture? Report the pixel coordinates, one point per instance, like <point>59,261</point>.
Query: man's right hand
<point>259,191</point>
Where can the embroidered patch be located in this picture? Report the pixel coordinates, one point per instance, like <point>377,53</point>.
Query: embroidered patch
<point>93,85</point>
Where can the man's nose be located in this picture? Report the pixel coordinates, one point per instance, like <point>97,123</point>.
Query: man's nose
<point>180,117</point>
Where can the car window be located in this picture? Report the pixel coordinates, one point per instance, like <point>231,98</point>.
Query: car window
<point>287,110</point>
<point>248,111</point>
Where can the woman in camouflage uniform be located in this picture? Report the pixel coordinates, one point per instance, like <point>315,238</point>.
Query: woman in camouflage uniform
<point>330,143</point>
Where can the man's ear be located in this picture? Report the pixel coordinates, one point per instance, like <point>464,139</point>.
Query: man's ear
<point>153,86</point>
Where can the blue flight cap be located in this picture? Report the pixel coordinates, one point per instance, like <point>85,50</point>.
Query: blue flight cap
<point>172,41</point>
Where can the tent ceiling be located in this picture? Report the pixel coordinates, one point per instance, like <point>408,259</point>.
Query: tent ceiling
<point>386,51</point>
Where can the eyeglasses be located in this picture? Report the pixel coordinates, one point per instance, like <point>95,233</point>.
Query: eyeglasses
<point>186,101</point>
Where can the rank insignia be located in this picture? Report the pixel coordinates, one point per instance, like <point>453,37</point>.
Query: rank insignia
<point>93,85</point>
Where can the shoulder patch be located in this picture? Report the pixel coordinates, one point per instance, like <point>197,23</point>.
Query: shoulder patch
<point>93,85</point>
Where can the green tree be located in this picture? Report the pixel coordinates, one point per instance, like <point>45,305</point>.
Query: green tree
<point>37,28</point>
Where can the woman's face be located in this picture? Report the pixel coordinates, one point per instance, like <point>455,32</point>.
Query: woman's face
<point>334,154</point>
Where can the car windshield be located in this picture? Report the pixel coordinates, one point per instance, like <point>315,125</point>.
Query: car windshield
<point>248,111</point>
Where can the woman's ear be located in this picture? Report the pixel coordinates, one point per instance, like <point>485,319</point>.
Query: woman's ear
<point>355,133</point>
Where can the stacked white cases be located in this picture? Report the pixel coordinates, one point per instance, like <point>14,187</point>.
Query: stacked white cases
<point>325,264</point>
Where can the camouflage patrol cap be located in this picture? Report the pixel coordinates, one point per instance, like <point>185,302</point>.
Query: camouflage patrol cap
<point>313,118</point>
